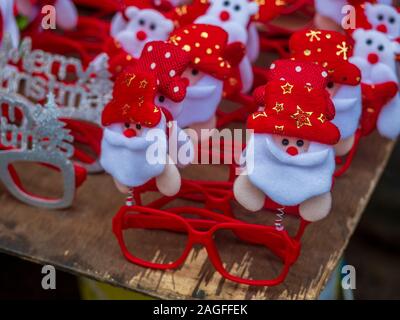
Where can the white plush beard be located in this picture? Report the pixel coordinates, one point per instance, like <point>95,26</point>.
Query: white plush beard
<point>348,106</point>
<point>201,101</point>
<point>375,73</point>
<point>126,158</point>
<point>285,179</point>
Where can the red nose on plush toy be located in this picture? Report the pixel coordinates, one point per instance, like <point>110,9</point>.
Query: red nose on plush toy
<point>141,35</point>
<point>292,151</point>
<point>129,133</point>
<point>224,16</point>
<point>382,28</point>
<point>373,58</point>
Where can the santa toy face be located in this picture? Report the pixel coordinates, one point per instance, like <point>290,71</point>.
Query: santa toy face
<point>374,50</point>
<point>144,25</point>
<point>125,152</point>
<point>384,18</point>
<point>279,170</point>
<point>8,24</point>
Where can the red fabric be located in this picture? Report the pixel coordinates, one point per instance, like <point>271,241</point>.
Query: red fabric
<point>298,71</point>
<point>119,58</point>
<point>167,62</point>
<point>187,14</point>
<point>208,48</point>
<point>133,100</point>
<point>292,109</point>
<point>329,49</point>
<point>375,97</point>
<point>269,9</point>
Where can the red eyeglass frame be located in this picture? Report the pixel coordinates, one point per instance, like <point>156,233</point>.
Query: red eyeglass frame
<point>172,220</point>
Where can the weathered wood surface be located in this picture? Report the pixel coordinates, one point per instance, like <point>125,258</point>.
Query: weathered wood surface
<point>80,240</point>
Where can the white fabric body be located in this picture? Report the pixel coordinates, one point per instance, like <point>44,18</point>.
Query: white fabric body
<point>331,9</point>
<point>126,158</point>
<point>348,106</point>
<point>382,14</point>
<point>285,179</point>
<point>253,43</point>
<point>9,24</point>
<point>201,101</point>
<point>126,32</point>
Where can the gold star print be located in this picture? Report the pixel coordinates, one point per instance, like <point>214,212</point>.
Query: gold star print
<point>175,40</point>
<point>308,87</point>
<point>343,49</point>
<point>302,118</point>
<point>280,3</point>
<point>287,88</point>
<point>260,115</point>
<point>314,35</point>
<point>322,118</point>
<point>143,84</point>
<point>125,109</point>
<point>278,107</point>
<point>141,101</point>
<point>280,128</point>
<point>129,79</point>
<point>155,110</point>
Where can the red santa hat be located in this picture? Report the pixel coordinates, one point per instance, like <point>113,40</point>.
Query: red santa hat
<point>294,109</point>
<point>209,49</point>
<point>167,63</point>
<point>187,14</point>
<point>330,49</point>
<point>269,9</point>
<point>133,100</point>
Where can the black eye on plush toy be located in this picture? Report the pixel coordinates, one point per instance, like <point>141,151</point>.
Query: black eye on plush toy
<point>285,142</point>
<point>195,72</point>
<point>161,99</point>
<point>138,126</point>
<point>381,47</point>
<point>142,22</point>
<point>227,3</point>
<point>300,143</point>
<point>153,27</point>
<point>368,42</point>
<point>392,20</point>
<point>237,7</point>
<point>380,17</point>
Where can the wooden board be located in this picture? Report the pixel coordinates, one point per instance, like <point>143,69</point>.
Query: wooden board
<point>80,240</point>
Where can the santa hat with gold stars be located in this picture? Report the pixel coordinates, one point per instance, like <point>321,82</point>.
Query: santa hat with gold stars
<point>330,50</point>
<point>209,49</point>
<point>294,109</point>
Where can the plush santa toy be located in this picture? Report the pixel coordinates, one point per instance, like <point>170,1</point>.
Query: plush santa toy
<point>382,17</point>
<point>212,61</point>
<point>290,157</point>
<point>66,12</point>
<point>333,51</point>
<point>374,54</point>
<point>134,125</point>
<point>131,30</point>
<point>7,22</point>
<point>234,16</point>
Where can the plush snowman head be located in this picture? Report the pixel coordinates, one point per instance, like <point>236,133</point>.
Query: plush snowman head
<point>7,22</point>
<point>384,18</point>
<point>144,25</point>
<point>374,52</point>
<point>231,15</point>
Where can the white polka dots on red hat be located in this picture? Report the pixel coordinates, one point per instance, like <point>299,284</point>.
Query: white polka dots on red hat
<point>298,69</point>
<point>172,73</point>
<point>150,49</point>
<point>176,89</point>
<point>168,55</point>
<point>153,66</point>
<point>324,74</point>
<point>272,67</point>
